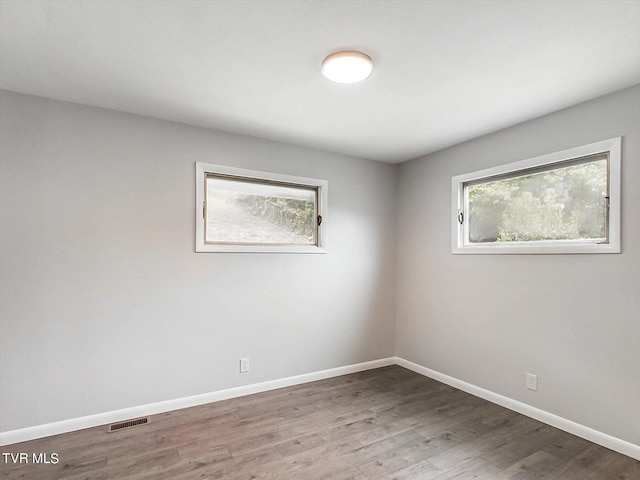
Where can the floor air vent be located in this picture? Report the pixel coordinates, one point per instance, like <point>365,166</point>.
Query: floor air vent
<point>127,424</point>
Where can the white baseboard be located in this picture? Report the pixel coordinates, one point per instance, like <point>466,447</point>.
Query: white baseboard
<point>574,428</point>
<point>64,426</point>
<point>55,428</point>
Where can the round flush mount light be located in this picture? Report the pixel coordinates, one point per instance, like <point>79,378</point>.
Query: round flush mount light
<point>347,67</point>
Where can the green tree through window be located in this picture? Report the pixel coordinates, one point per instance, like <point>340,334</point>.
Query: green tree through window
<point>561,204</point>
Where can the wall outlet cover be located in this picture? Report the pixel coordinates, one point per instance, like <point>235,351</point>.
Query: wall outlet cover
<point>244,365</point>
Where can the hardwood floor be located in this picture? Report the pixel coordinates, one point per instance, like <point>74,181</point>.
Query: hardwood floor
<point>388,423</point>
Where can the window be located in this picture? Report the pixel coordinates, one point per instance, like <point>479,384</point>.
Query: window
<point>564,202</point>
<point>241,210</point>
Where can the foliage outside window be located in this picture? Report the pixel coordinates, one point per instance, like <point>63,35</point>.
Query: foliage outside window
<point>247,211</point>
<point>567,202</point>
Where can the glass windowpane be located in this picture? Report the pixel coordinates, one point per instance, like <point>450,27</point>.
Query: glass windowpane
<point>250,212</point>
<point>564,203</point>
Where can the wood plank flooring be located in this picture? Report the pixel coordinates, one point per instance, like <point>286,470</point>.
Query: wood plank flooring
<point>388,423</point>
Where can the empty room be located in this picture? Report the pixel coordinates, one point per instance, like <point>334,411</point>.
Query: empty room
<point>320,239</point>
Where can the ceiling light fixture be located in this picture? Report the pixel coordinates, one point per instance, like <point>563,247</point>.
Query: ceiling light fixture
<point>347,67</point>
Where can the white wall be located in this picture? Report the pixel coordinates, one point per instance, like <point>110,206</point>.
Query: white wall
<point>105,305</point>
<point>572,319</point>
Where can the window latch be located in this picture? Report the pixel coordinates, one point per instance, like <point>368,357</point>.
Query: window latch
<point>460,217</point>
<point>319,219</point>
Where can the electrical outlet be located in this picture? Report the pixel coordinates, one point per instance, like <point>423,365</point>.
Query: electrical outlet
<point>532,382</point>
<point>244,365</point>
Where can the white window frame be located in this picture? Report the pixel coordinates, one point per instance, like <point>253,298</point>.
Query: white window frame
<point>321,186</point>
<point>460,245</point>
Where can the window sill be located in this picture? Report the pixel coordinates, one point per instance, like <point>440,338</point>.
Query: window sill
<point>307,249</point>
<point>546,248</point>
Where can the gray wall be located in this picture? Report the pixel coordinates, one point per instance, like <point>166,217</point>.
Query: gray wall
<point>105,305</point>
<point>572,319</point>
